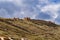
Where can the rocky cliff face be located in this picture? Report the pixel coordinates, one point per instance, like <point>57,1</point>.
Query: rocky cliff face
<point>29,28</point>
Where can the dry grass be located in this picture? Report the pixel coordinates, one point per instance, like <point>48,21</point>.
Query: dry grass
<point>31,29</point>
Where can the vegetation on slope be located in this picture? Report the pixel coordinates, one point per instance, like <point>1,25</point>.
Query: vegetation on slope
<point>29,28</point>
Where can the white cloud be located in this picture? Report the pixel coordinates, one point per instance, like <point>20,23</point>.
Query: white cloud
<point>51,9</point>
<point>17,2</point>
<point>44,1</point>
<point>5,0</point>
<point>28,10</point>
<point>4,13</point>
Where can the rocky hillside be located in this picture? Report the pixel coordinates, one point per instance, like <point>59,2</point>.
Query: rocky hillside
<point>29,28</point>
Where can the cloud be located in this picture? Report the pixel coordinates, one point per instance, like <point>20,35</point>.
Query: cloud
<point>43,1</point>
<point>4,13</point>
<point>43,16</point>
<point>10,8</point>
<point>20,8</point>
<point>5,0</point>
<point>36,9</point>
<point>52,10</point>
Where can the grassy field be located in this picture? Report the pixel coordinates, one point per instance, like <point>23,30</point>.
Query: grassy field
<point>29,28</point>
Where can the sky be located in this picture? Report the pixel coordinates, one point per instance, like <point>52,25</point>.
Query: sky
<point>36,9</point>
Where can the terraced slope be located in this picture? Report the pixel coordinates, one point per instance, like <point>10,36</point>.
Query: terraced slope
<point>31,29</point>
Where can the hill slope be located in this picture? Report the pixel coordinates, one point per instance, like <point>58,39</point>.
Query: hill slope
<point>29,28</point>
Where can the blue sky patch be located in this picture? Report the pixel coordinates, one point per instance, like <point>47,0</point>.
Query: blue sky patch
<point>36,9</point>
